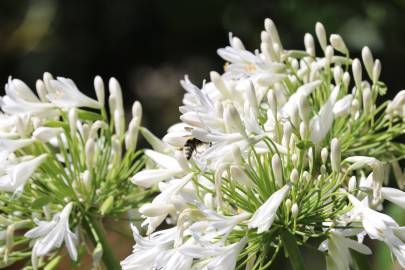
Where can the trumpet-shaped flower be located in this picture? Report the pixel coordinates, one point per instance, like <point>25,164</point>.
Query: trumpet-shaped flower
<point>264,216</point>
<point>49,235</point>
<point>18,174</point>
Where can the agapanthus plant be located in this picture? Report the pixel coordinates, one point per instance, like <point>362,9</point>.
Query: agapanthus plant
<point>284,147</point>
<point>65,165</point>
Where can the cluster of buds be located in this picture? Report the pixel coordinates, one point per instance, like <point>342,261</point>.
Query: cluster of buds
<point>283,147</point>
<point>65,165</point>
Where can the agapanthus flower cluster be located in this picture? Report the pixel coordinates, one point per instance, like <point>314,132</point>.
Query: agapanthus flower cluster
<point>285,146</point>
<point>65,164</point>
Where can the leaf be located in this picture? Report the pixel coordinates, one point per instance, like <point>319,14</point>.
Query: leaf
<point>293,251</point>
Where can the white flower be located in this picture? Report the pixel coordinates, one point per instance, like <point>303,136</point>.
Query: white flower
<point>219,258</point>
<point>168,167</point>
<point>338,245</point>
<point>380,226</point>
<point>65,94</point>
<point>342,106</point>
<point>393,195</point>
<point>264,216</point>
<point>156,252</point>
<point>163,204</point>
<point>17,174</point>
<point>45,134</point>
<point>376,178</point>
<point>214,225</point>
<point>19,99</point>
<point>51,234</point>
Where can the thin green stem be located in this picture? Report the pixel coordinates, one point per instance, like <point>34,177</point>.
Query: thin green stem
<point>96,230</point>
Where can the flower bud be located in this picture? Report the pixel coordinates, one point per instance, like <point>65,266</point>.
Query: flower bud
<point>287,131</point>
<point>335,155</point>
<point>346,79</point>
<point>329,54</point>
<point>90,153</point>
<point>131,137</point>
<point>72,121</point>
<point>338,43</point>
<point>310,157</point>
<point>367,102</point>
<point>303,130</point>
<point>100,90</point>
<point>87,180</point>
<point>119,123</point>
<point>41,90</point>
<point>376,71</point>
<point>116,92</point>
<point>321,35</point>
<point>352,184</point>
<point>303,109</point>
<point>356,69</point>
<point>272,30</point>
<point>368,61</point>
<point>294,176</point>
<point>137,110</point>
<point>237,43</point>
<point>288,204</point>
<point>107,205</point>
<point>294,159</point>
<point>309,44</point>
<point>337,74</point>
<point>294,210</point>
<point>277,170</point>
<point>324,155</point>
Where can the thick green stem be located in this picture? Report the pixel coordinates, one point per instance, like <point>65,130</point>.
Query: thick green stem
<point>96,229</point>
<point>293,252</point>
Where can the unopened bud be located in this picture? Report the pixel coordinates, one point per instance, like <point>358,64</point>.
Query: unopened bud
<point>367,99</point>
<point>41,90</point>
<point>338,43</point>
<point>352,184</point>
<point>337,74</point>
<point>288,204</point>
<point>277,170</point>
<point>324,155</point>
<point>357,73</point>
<point>287,131</point>
<point>321,35</point>
<point>376,71</point>
<point>335,155</point>
<point>72,121</point>
<point>368,61</point>
<point>309,44</point>
<point>294,210</point>
<point>107,205</point>
<point>329,54</point>
<point>294,176</point>
<point>100,90</point>
<point>272,30</point>
<point>90,153</point>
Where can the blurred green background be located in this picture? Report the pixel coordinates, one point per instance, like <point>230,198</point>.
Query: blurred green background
<point>149,45</point>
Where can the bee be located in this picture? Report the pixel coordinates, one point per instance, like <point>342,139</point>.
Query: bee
<point>192,145</point>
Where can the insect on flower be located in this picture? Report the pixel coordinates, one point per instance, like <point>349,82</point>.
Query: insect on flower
<point>193,145</point>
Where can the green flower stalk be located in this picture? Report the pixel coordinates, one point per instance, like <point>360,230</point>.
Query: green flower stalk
<point>65,166</point>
